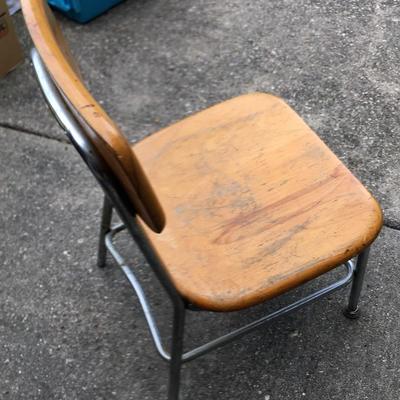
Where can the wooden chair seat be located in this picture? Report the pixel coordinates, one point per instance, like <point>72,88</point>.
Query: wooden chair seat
<point>255,203</point>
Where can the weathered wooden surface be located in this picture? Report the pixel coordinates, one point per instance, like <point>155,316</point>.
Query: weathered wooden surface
<point>255,203</point>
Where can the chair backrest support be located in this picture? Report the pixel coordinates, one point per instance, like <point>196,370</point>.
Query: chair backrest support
<point>101,171</point>
<point>98,128</point>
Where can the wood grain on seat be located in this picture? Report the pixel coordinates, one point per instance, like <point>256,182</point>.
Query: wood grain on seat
<point>255,203</point>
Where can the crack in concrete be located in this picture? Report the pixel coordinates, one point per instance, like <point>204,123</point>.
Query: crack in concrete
<point>392,225</point>
<point>34,133</point>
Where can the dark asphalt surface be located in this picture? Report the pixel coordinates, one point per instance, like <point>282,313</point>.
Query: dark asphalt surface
<point>71,331</point>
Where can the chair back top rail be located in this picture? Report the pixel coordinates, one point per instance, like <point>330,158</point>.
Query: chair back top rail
<point>99,128</point>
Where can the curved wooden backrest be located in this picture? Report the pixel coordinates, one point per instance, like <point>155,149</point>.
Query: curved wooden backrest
<point>101,130</point>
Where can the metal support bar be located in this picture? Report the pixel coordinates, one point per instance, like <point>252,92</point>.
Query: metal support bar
<point>352,310</point>
<point>139,292</point>
<point>176,352</point>
<point>222,340</point>
<point>191,355</point>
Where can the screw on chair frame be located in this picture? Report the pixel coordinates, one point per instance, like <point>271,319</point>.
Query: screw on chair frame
<point>114,199</point>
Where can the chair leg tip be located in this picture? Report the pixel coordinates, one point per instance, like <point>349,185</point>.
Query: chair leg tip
<point>351,314</point>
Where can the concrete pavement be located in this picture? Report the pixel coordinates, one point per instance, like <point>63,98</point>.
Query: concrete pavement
<point>71,331</point>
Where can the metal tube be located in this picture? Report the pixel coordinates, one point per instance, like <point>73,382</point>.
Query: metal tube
<point>352,310</point>
<point>155,334</point>
<point>55,101</point>
<point>191,355</point>
<point>176,352</point>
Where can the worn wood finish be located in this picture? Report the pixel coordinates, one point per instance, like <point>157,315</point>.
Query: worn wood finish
<point>255,203</point>
<point>101,130</point>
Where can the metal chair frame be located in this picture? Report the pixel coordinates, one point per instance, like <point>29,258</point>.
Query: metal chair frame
<point>115,199</point>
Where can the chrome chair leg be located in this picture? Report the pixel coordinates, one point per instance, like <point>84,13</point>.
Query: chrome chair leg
<point>105,227</point>
<point>352,310</point>
<point>176,352</point>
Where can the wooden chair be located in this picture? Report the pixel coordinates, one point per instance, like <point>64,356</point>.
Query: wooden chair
<point>231,207</point>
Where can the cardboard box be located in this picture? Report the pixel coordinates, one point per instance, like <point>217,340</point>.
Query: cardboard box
<point>10,49</point>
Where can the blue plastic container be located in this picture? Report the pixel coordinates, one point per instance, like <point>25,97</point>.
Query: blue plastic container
<point>83,10</point>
